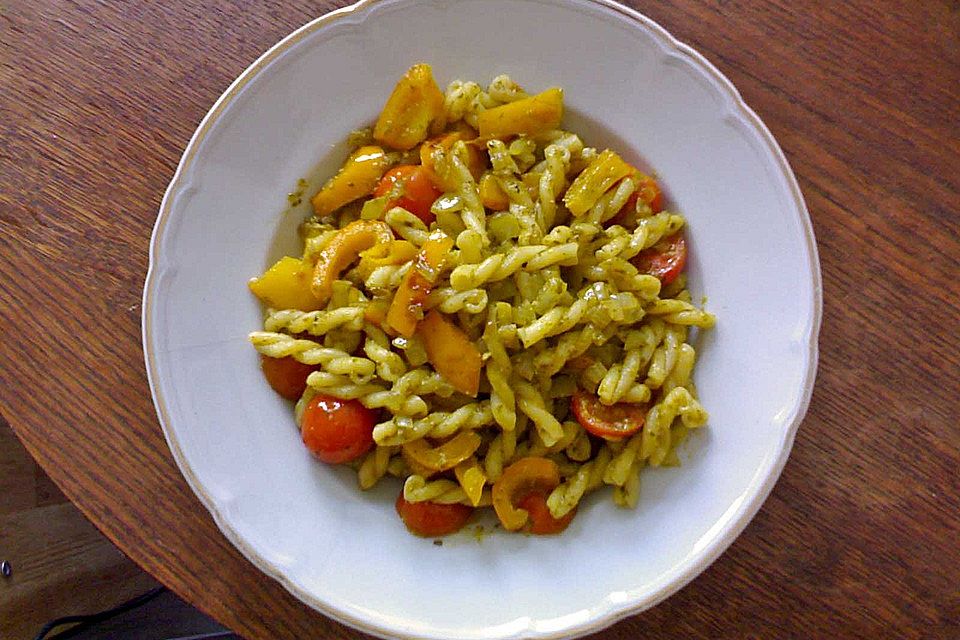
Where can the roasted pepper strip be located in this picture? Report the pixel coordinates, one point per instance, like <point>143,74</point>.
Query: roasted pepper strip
<point>528,116</point>
<point>415,105</point>
<point>526,475</point>
<point>357,178</point>
<point>343,249</point>
<point>428,158</point>
<point>286,285</point>
<point>602,173</point>
<point>472,479</point>
<point>491,195</point>
<point>451,352</point>
<point>407,306</point>
<point>446,456</point>
<point>392,253</point>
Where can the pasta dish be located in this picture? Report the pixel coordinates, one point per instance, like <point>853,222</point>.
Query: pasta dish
<point>488,309</point>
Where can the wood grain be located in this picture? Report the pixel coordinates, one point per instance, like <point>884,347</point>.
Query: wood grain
<point>858,539</point>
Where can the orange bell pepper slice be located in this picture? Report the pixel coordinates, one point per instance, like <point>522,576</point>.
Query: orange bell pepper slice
<point>406,309</point>
<point>446,456</point>
<point>451,352</point>
<point>356,178</point>
<point>414,107</point>
<point>525,476</point>
<point>344,248</point>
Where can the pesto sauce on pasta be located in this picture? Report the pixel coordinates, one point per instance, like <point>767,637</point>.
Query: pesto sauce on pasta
<point>552,301</point>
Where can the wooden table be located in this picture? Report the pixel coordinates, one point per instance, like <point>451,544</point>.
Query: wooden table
<point>861,536</point>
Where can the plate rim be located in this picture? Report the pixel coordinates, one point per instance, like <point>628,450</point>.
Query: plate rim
<point>605,612</point>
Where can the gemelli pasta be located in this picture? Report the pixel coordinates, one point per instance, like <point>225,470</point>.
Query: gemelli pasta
<point>487,309</point>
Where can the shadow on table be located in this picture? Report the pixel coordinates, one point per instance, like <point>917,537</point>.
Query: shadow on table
<point>160,616</point>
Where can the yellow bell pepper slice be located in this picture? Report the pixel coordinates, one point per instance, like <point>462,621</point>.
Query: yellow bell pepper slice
<point>446,456</point>
<point>382,255</point>
<point>603,172</point>
<point>415,105</point>
<point>491,195</point>
<point>357,178</point>
<point>343,249</point>
<point>472,479</point>
<point>529,116</point>
<point>286,285</point>
<point>406,309</point>
<point>526,475</point>
<point>451,352</point>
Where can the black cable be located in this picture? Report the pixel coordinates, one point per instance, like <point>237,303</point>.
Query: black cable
<point>85,621</point>
<point>208,636</point>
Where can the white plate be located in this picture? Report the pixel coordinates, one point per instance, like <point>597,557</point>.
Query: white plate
<point>627,84</point>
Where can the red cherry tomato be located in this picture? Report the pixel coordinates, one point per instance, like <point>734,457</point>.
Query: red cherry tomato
<point>541,522</point>
<point>287,376</point>
<point>337,430</point>
<point>613,422</point>
<point>432,519</point>
<point>666,259</point>
<point>414,190</point>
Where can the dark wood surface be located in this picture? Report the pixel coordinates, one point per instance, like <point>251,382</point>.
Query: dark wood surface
<point>860,537</point>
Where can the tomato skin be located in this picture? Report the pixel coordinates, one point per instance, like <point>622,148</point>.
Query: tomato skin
<point>287,376</point>
<point>541,522</point>
<point>336,430</point>
<point>432,519</point>
<point>417,192</point>
<point>613,422</point>
<point>666,260</point>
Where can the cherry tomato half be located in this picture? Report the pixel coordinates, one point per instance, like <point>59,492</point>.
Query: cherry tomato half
<point>337,430</point>
<point>414,190</point>
<point>541,522</point>
<point>432,519</point>
<point>666,259</point>
<point>613,422</point>
<point>287,376</point>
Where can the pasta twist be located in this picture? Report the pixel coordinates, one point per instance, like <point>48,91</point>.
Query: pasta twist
<point>588,477</point>
<point>449,300</point>
<point>655,436</point>
<point>618,470</point>
<point>531,402</point>
<point>335,361</point>
<point>401,429</point>
<point>374,466</point>
<point>389,364</point>
<point>340,386</point>
<point>500,453</point>
<point>681,312</point>
<point>407,226</point>
<point>404,397</point>
<point>552,182</point>
<point>316,323</point>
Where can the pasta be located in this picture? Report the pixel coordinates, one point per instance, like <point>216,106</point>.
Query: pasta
<point>501,319</point>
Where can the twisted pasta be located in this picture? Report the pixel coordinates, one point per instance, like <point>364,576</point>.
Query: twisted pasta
<point>439,424</point>
<point>533,324</point>
<point>315,323</point>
